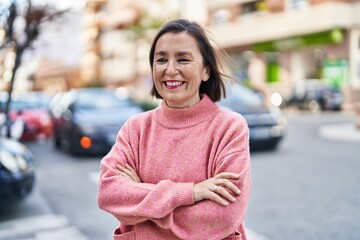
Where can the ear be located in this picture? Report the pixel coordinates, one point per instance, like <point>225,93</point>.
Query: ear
<point>206,74</point>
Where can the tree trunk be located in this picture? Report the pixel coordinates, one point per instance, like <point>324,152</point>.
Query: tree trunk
<point>10,90</point>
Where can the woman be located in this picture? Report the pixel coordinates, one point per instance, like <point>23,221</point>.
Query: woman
<point>182,170</point>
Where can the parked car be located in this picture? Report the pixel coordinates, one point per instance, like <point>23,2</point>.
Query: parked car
<point>315,95</point>
<point>33,109</point>
<point>267,124</point>
<point>87,120</point>
<point>17,172</point>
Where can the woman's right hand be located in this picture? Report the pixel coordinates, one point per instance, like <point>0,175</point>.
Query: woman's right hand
<point>218,189</point>
<point>128,172</point>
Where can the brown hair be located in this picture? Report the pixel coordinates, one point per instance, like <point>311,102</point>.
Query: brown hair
<point>215,86</point>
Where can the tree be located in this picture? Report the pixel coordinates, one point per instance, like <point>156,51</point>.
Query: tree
<point>21,22</point>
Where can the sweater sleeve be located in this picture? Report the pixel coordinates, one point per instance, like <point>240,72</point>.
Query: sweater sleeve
<point>131,202</point>
<point>207,218</point>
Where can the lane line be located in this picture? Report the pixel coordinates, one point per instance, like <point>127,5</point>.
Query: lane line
<point>32,224</point>
<point>41,227</point>
<point>68,233</point>
<point>94,177</point>
<point>344,132</point>
<point>252,235</point>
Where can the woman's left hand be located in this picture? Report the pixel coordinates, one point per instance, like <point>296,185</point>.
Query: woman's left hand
<point>218,189</point>
<point>128,172</point>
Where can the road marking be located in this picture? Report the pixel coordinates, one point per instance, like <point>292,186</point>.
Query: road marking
<point>40,228</point>
<point>344,132</point>
<point>252,235</point>
<point>68,233</point>
<point>94,177</point>
<point>28,225</point>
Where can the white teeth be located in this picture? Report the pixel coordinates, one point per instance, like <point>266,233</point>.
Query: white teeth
<point>173,84</point>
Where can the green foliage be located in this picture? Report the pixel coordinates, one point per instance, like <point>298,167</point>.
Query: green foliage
<point>95,85</point>
<point>143,25</point>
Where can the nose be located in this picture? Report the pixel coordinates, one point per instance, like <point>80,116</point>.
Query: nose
<point>171,67</point>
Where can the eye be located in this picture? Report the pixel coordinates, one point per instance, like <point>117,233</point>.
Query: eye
<point>161,60</point>
<point>183,60</point>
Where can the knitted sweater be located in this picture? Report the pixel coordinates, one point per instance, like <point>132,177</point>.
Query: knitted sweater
<point>171,150</point>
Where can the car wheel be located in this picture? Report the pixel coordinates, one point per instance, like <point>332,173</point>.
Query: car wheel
<point>57,141</point>
<point>314,106</point>
<point>73,150</point>
<point>273,146</point>
<point>73,147</point>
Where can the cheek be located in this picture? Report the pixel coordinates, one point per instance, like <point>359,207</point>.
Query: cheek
<point>157,71</point>
<point>156,79</point>
<point>195,75</point>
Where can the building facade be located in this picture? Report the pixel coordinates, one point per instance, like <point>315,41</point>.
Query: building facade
<point>275,44</point>
<point>278,44</point>
<point>118,36</point>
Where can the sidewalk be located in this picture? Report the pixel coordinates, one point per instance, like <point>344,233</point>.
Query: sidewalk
<point>342,132</point>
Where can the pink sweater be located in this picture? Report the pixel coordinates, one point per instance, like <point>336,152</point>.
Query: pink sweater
<point>171,150</point>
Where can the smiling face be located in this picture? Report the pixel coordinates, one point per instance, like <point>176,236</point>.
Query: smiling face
<point>178,69</point>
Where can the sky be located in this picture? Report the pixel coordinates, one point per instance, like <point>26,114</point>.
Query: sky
<point>60,4</point>
<point>64,4</point>
<point>59,41</point>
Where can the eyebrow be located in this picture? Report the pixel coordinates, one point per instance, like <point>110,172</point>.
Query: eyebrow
<point>178,54</point>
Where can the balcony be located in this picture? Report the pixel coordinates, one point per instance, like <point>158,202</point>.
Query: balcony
<point>261,27</point>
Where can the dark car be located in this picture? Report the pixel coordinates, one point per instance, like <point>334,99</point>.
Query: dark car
<point>315,95</point>
<point>32,108</point>
<point>267,124</point>
<point>87,120</point>
<point>17,171</point>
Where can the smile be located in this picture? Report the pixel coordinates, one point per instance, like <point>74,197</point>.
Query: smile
<point>173,84</point>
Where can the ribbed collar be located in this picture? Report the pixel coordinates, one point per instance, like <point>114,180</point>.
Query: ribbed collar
<point>186,117</point>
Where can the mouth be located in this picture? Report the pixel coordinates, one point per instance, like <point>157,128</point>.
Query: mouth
<point>171,84</point>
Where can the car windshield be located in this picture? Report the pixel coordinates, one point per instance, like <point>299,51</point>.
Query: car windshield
<point>27,101</point>
<point>101,100</point>
<point>241,97</point>
<point>18,104</point>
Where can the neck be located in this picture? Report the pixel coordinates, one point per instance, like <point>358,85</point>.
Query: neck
<point>186,117</point>
<point>180,106</point>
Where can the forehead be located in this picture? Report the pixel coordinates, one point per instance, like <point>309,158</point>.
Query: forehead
<point>177,41</point>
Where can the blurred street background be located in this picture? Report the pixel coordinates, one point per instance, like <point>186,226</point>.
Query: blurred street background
<point>63,64</point>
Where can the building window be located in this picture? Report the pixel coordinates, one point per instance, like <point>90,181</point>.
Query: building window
<point>298,4</point>
<point>253,7</point>
<point>221,16</point>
